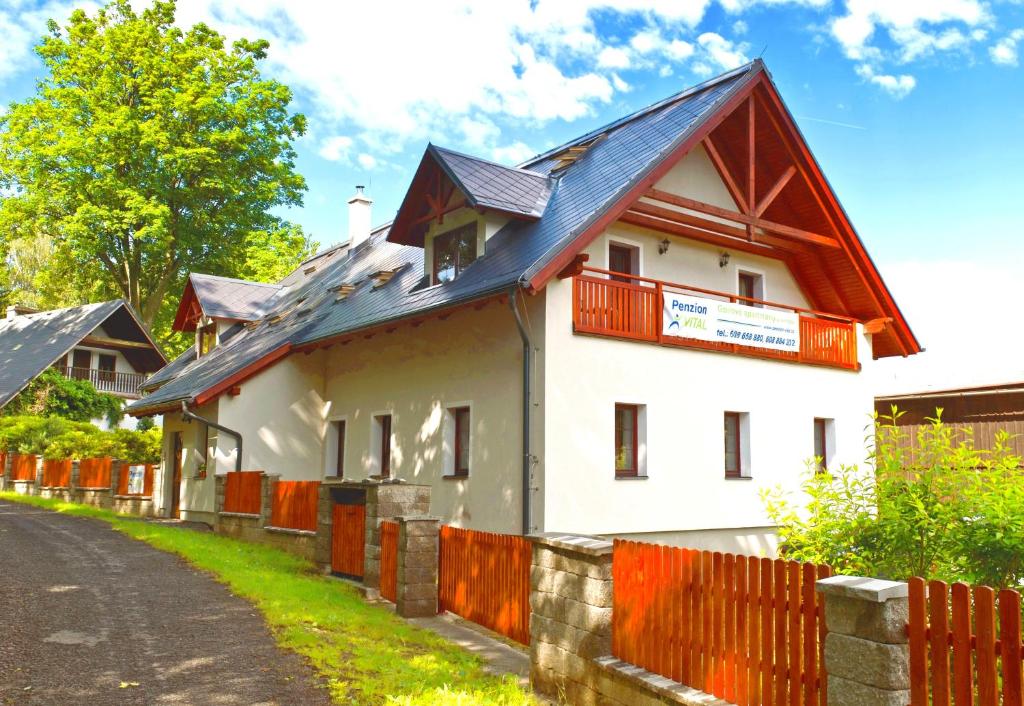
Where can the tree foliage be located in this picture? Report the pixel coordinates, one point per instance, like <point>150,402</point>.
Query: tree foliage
<point>947,510</point>
<point>148,152</point>
<point>53,395</point>
<point>58,438</point>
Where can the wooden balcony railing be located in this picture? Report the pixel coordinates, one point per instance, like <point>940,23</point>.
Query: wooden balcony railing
<point>627,306</point>
<point>107,380</point>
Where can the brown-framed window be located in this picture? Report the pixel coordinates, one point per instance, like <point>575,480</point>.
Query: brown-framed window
<point>749,285</point>
<point>733,445</point>
<point>624,259</point>
<point>207,338</point>
<point>339,457</point>
<point>462,441</point>
<point>384,420</point>
<point>453,251</point>
<point>627,422</point>
<point>821,443</point>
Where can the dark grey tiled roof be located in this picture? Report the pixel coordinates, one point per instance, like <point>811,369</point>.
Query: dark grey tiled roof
<point>31,343</point>
<point>579,193</point>
<point>226,298</point>
<point>491,185</point>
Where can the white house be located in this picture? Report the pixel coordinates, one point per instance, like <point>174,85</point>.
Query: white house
<point>631,334</point>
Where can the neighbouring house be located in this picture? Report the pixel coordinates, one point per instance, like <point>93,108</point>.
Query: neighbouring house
<point>103,343</point>
<point>631,334</point>
<point>980,411</point>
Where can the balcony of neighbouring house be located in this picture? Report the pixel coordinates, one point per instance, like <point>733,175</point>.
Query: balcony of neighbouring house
<point>109,381</point>
<point>626,306</point>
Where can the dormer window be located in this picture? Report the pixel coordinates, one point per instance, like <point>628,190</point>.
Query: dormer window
<point>453,251</point>
<point>207,338</point>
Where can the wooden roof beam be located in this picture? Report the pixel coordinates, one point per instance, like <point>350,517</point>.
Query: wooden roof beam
<point>751,221</point>
<point>723,171</point>
<point>723,241</point>
<point>773,192</point>
<point>104,342</point>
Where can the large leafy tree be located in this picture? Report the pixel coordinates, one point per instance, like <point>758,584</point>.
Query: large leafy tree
<point>148,152</point>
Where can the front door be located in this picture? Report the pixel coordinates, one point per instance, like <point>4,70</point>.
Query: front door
<point>622,258</point>
<point>348,540</point>
<point>80,363</point>
<point>176,478</point>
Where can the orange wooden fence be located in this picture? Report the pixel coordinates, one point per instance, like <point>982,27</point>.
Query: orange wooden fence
<point>57,473</point>
<point>485,578</point>
<point>23,467</point>
<point>748,630</point>
<point>94,472</point>
<point>3,462</point>
<point>243,492</point>
<point>965,644</point>
<point>294,504</point>
<point>147,483</point>
<point>389,560</point>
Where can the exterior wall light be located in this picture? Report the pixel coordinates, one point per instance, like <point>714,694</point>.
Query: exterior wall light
<point>723,259</point>
<point>663,246</point>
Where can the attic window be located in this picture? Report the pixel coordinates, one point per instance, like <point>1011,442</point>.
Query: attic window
<point>453,252</point>
<point>382,277</point>
<point>309,270</point>
<point>343,290</point>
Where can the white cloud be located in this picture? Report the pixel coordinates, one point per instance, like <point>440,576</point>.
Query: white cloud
<point>721,51</point>
<point>513,153</point>
<point>739,27</point>
<point>367,161</point>
<point>896,86</point>
<point>916,27</point>
<point>679,50</point>
<point>701,69</point>
<point>614,58</point>
<point>951,332</point>
<point>1004,52</point>
<point>646,41</point>
<point>21,27</point>
<point>620,85</point>
<point>336,148</point>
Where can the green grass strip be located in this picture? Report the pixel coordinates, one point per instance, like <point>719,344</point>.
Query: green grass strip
<point>365,653</point>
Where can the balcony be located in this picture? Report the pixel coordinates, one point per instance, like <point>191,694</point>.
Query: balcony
<point>641,309</point>
<point>122,384</point>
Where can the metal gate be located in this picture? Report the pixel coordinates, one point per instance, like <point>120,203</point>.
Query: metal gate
<point>348,538</point>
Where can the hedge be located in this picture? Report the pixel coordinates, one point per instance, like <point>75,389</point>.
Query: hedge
<point>59,438</point>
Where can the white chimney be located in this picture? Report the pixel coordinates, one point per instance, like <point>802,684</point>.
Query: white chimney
<point>358,218</point>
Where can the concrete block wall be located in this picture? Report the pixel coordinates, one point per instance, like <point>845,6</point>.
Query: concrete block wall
<point>387,501</point>
<point>416,586</point>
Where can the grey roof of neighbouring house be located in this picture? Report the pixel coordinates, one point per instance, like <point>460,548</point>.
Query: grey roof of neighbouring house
<point>306,311</point>
<point>30,343</point>
<point>226,298</point>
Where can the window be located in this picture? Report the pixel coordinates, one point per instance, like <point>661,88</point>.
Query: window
<point>107,364</point>
<point>627,422</point>
<point>207,339</point>
<point>625,259</point>
<point>737,452</point>
<point>384,431</point>
<point>461,417</point>
<point>453,252</point>
<point>751,286</point>
<point>339,456</point>
<point>823,442</point>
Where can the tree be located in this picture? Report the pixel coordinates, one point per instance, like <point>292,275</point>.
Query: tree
<point>148,152</point>
<point>948,511</point>
<point>52,395</point>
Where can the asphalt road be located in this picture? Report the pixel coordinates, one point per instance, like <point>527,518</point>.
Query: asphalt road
<point>89,616</point>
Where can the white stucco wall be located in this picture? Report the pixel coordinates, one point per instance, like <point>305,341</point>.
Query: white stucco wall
<point>473,358</point>
<point>196,494</point>
<point>685,497</point>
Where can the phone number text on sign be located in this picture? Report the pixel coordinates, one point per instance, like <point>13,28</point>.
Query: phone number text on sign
<point>723,322</point>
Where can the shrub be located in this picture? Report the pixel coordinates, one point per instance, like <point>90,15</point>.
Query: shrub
<point>953,512</point>
<point>57,438</point>
<point>53,395</point>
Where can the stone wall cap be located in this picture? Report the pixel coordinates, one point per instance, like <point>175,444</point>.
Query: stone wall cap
<point>417,518</point>
<point>862,588</point>
<point>584,544</point>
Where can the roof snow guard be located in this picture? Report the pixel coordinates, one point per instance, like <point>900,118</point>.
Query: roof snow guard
<point>447,180</point>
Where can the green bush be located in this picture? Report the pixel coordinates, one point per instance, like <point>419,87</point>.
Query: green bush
<point>950,511</point>
<point>53,395</point>
<point>57,438</point>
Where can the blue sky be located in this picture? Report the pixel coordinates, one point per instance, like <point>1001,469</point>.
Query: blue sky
<point>913,108</point>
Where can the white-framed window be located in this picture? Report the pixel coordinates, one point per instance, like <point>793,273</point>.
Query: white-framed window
<point>737,444</point>
<point>453,251</point>
<point>335,447</point>
<point>824,442</point>
<point>381,437</point>
<point>750,285</point>
<point>630,445</point>
<point>458,440</point>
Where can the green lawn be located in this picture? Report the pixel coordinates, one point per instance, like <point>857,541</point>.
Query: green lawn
<point>365,653</point>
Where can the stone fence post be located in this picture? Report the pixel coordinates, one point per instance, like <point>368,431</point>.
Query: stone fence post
<point>117,467</point>
<point>418,538</point>
<point>570,616</point>
<point>38,482</point>
<point>267,484</point>
<point>866,650</point>
<point>5,472</point>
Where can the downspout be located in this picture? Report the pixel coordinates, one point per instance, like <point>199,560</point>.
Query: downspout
<point>527,396</point>
<point>230,432</point>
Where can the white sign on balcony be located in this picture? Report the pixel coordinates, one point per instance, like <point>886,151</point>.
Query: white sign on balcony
<point>719,321</point>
